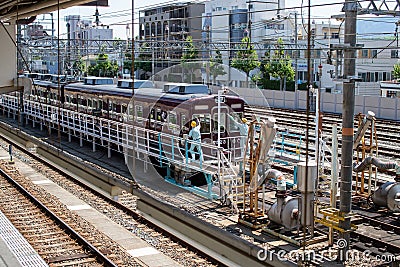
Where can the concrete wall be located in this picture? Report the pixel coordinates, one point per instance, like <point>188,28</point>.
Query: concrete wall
<point>8,56</point>
<point>384,108</point>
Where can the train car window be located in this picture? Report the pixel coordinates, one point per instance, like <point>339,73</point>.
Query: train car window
<point>235,121</point>
<point>152,114</point>
<point>205,122</point>
<point>183,120</point>
<point>118,108</point>
<point>222,122</point>
<point>159,115</point>
<point>172,121</point>
<point>139,112</point>
<point>83,101</point>
<point>164,116</point>
<point>130,113</point>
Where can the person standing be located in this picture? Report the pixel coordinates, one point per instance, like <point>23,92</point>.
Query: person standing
<point>196,140</point>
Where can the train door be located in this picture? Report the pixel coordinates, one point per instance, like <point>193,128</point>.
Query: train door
<point>219,125</point>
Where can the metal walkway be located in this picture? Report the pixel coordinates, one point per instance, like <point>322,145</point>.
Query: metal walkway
<point>217,165</point>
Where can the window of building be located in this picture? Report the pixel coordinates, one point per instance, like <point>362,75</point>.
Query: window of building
<point>325,35</point>
<point>380,76</point>
<point>234,7</point>
<point>335,35</point>
<point>363,76</point>
<point>374,53</point>
<point>364,53</point>
<point>393,54</point>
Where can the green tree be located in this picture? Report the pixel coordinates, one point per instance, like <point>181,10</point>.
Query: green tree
<point>103,67</point>
<point>144,60</point>
<point>189,55</point>
<point>246,58</point>
<point>127,63</point>
<point>78,67</point>
<point>216,67</point>
<point>396,71</point>
<point>279,65</point>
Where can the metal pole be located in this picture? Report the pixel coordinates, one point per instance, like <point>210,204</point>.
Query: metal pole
<point>152,60</point>
<point>249,20</point>
<point>133,94</point>
<point>350,8</point>
<point>397,38</point>
<point>219,119</point>
<point>296,75</point>
<point>334,175</point>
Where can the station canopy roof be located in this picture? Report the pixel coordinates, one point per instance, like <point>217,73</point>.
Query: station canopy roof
<point>23,9</point>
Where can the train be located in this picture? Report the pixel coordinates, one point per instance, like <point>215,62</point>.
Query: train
<point>168,108</point>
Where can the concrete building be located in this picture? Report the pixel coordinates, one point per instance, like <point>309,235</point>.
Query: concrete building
<point>229,21</point>
<point>163,30</point>
<point>172,22</point>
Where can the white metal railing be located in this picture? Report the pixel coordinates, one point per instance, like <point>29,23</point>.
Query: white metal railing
<point>167,148</point>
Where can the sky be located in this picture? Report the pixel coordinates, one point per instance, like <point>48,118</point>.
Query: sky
<point>118,14</point>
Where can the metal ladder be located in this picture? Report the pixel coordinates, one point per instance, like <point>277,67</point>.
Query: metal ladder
<point>230,184</point>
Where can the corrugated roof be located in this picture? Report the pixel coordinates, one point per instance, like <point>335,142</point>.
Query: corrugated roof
<point>13,9</point>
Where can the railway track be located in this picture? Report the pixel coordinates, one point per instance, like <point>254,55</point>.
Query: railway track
<point>130,201</point>
<point>127,216</point>
<point>387,131</point>
<point>377,234</point>
<point>50,228</point>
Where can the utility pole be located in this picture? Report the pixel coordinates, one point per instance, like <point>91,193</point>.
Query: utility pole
<point>249,20</point>
<point>397,38</point>
<point>296,75</point>
<point>350,9</point>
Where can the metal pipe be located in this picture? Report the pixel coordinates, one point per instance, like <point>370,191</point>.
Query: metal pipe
<point>378,163</point>
<point>334,175</point>
<point>367,121</point>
